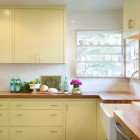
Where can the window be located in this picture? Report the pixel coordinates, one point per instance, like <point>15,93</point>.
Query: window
<point>99,54</point>
<point>132,56</point>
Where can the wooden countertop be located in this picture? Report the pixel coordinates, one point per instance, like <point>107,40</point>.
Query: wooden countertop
<point>130,121</point>
<point>106,97</point>
<point>118,97</point>
<point>44,95</point>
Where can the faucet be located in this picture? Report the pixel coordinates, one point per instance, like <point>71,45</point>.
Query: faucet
<point>132,76</point>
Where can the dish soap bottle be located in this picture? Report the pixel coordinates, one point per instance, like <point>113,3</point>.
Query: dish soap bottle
<point>65,84</point>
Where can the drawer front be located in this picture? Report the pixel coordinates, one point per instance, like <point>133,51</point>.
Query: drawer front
<point>3,133</point>
<point>3,104</point>
<point>36,133</point>
<point>36,118</point>
<point>36,104</point>
<point>3,117</point>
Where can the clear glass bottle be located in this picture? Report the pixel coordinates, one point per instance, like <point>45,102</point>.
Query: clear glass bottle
<point>17,84</point>
<point>12,85</point>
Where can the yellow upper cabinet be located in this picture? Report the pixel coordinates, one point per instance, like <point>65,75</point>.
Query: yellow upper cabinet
<point>39,35</point>
<point>51,47</point>
<point>131,19</point>
<point>26,35</point>
<point>6,34</point>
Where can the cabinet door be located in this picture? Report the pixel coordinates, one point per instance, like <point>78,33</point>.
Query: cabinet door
<point>3,104</point>
<point>4,133</point>
<point>36,133</point>
<point>51,48</point>
<point>26,35</point>
<point>136,5</point>
<point>6,34</point>
<point>36,104</point>
<point>36,117</point>
<point>81,120</point>
<point>4,117</point>
<point>130,12</point>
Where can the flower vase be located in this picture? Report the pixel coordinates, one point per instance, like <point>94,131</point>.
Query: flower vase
<point>76,89</point>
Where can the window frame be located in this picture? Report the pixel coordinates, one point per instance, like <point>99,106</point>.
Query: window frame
<point>122,62</point>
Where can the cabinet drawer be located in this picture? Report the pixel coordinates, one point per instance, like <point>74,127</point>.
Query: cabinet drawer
<point>36,104</point>
<point>3,133</point>
<point>36,118</point>
<point>3,117</point>
<point>36,133</point>
<point>3,104</point>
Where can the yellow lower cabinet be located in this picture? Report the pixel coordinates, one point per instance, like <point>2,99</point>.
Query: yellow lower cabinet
<point>36,117</point>
<point>36,133</point>
<point>81,121</point>
<point>3,117</point>
<point>4,133</point>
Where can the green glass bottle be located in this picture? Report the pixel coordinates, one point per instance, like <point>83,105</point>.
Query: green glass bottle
<point>65,84</point>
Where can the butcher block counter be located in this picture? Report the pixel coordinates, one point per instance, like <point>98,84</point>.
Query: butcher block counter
<point>105,97</point>
<point>35,102</point>
<point>130,121</point>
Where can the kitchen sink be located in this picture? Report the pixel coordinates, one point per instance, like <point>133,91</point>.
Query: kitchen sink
<point>107,117</point>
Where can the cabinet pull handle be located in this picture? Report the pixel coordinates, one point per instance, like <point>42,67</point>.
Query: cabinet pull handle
<point>19,115</point>
<point>19,105</point>
<point>19,131</point>
<point>53,131</point>
<point>128,24</point>
<point>53,114</point>
<point>53,105</point>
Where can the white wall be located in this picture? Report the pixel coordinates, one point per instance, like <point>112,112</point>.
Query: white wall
<point>107,20</point>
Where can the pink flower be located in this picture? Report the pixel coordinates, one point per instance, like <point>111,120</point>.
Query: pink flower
<point>75,82</point>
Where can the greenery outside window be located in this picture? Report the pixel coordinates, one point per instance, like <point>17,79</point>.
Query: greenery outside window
<point>100,54</point>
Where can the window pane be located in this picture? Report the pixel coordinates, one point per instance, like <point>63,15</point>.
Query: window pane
<point>99,54</point>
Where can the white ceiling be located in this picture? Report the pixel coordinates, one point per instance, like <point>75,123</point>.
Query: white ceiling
<point>86,5</point>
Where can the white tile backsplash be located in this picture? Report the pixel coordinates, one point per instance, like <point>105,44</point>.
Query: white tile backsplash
<point>107,20</point>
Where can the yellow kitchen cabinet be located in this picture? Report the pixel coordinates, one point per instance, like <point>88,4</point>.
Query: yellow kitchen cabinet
<point>81,119</point>
<point>36,133</point>
<point>6,35</point>
<point>36,119</point>
<point>4,120</point>
<point>131,19</point>
<point>4,135</point>
<point>3,117</point>
<point>26,35</point>
<point>39,35</point>
<point>36,104</point>
<point>51,49</point>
